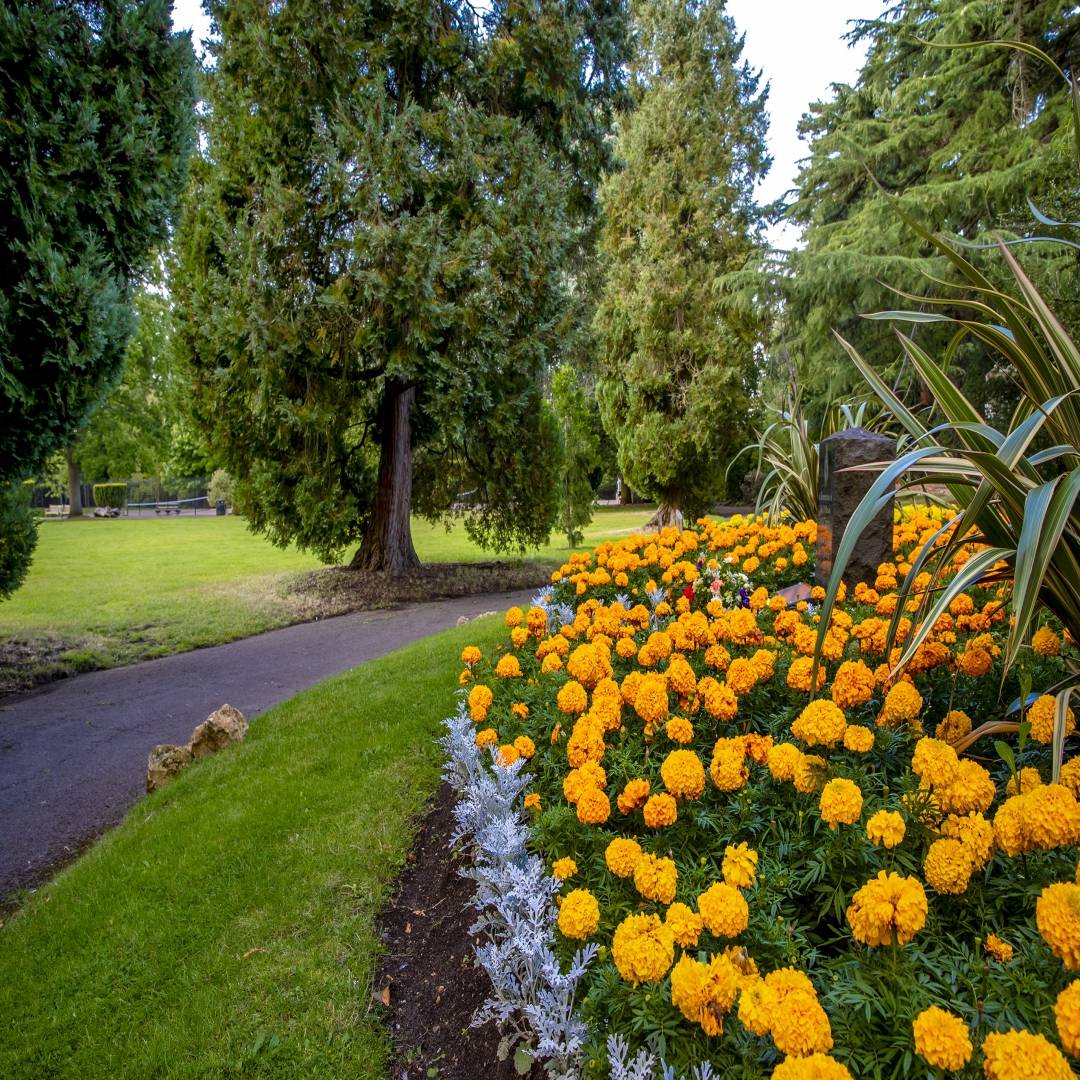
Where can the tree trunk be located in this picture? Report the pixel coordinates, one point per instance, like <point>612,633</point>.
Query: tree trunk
<point>666,514</point>
<point>74,485</point>
<point>387,546</point>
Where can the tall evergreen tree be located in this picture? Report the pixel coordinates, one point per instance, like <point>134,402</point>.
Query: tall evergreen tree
<point>678,363</point>
<point>372,266</point>
<point>962,138</point>
<point>97,107</point>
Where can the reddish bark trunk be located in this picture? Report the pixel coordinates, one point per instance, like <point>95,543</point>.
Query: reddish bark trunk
<point>387,546</point>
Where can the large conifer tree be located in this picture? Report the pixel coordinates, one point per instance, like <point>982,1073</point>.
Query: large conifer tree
<point>372,268</point>
<point>962,137</point>
<point>96,122</point>
<point>678,364</point>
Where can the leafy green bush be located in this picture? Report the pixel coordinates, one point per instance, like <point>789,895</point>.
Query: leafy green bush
<point>18,536</point>
<point>221,487</point>
<point>111,495</point>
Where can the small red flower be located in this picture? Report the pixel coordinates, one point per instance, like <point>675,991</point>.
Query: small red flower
<point>688,592</point>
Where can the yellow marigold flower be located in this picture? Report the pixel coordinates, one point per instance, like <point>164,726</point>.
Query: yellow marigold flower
<point>821,723</point>
<point>798,676</point>
<point>935,763</point>
<point>633,796</point>
<point>973,789</point>
<point>621,856</point>
<point>679,729</point>
<point>742,676</point>
<point>886,828</point>
<point>728,766</point>
<point>660,810</point>
<point>625,647</point>
<point>942,1039</point>
<point>508,754</point>
<point>1070,775</point>
<point>719,699</point>
<point>518,636</point>
<point>858,739</point>
<point>1022,1055</point>
<point>470,655</point>
<point>1027,780</point>
<point>955,726</point>
<point>514,617</point>
<point>552,662</point>
<point>740,865</point>
<point>841,803</point>
<point>800,1026</point>
<point>1045,642</point>
<point>782,760</point>
<point>465,677</point>
<point>579,915</point>
<point>1040,715</point>
<point>975,833</point>
<point>724,910</point>
<point>563,868</point>
<point>525,746</point>
<point>886,905</point>
<point>1057,916</point>
<point>1000,950</point>
<point>520,710</point>
<point>572,698</point>
<point>685,924</point>
<point>537,622</point>
<point>1045,817</point>
<point>716,656</point>
<point>757,1006</point>
<point>784,981</point>
<point>948,866</point>
<point>1067,1015</point>
<point>532,801</point>
<point>480,699</point>
<point>656,878</point>
<point>704,992</point>
<point>593,807</point>
<point>853,684</point>
<point>683,774</point>
<point>903,703</point>
<point>680,676</point>
<point>643,949</point>
<point>809,774</point>
<point>813,1067</point>
<point>487,737</point>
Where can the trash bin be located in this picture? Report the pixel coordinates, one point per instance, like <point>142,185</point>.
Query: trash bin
<point>221,508</point>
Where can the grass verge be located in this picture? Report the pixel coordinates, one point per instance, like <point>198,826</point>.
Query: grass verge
<point>227,927</point>
<point>108,592</point>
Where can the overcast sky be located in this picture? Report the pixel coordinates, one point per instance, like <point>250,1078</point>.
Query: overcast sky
<point>797,43</point>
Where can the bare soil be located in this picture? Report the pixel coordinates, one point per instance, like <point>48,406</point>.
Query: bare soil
<point>429,986</point>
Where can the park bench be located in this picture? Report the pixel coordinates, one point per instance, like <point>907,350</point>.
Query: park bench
<point>57,510</point>
<point>167,507</point>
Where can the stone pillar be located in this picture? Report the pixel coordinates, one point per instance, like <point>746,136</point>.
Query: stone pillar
<point>840,492</point>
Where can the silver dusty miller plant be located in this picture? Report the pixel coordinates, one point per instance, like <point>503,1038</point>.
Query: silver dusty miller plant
<point>532,998</point>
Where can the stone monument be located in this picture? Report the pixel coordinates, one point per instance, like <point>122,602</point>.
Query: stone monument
<point>840,492</point>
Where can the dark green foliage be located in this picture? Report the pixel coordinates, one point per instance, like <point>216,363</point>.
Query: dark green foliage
<point>18,536</point>
<point>110,495</point>
<point>374,264</point>
<point>97,105</point>
<point>963,137</point>
<point>580,463</point>
<point>678,364</point>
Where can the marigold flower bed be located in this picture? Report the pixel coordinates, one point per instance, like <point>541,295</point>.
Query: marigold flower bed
<point>779,884</point>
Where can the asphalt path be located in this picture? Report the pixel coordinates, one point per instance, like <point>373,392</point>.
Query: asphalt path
<point>73,753</point>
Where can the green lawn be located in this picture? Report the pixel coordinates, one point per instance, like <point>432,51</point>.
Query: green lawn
<point>228,927</point>
<point>108,591</point>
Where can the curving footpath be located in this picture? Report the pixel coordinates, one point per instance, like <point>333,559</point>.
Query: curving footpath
<point>73,753</point>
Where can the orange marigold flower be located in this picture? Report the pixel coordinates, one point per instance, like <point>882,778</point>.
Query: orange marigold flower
<point>579,915</point>
<point>973,789</point>
<point>801,1027</point>
<point>942,1039</point>
<point>593,807</point>
<point>935,763</point>
<point>798,676</point>
<point>728,766</point>
<point>1000,950</point>
<point>656,877</point>
<point>532,801</point>
<point>508,667</point>
<point>621,856</point>
<point>480,699</point>
<point>685,924</point>
<point>948,866</point>
<point>470,655</point>
<point>841,803</point>
<point>683,774</point>
<point>975,833</point>
<point>678,729</point>
<point>1041,716</point>
<point>487,737</point>
<point>572,698</point>
<point>1045,642</point>
<point>782,760</point>
<point>858,739</point>
<point>1067,1015</point>
<point>1020,1055</point>
<point>1057,916</point>
<point>955,726</point>
<point>886,905</point>
<point>812,1067</point>
<point>633,796</point>
<point>508,754</point>
<point>514,617</point>
<point>853,684</point>
<point>903,703</point>
<point>563,868</point>
<point>660,810</point>
<point>704,992</point>
<point>821,723</point>
<point>724,910</point>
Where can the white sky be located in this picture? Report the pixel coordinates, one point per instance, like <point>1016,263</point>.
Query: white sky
<point>798,44</point>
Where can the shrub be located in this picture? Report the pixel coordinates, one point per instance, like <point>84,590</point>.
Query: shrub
<point>18,536</point>
<point>776,876</point>
<point>113,496</point>
<point>221,487</point>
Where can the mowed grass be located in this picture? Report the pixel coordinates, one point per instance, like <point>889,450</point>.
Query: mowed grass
<point>228,928</point>
<point>102,592</point>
